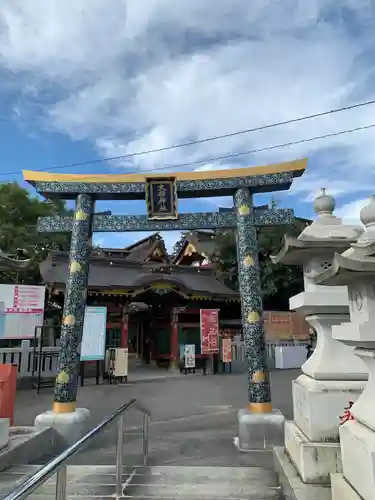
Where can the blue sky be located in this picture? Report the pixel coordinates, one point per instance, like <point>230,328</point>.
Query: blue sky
<point>81,80</point>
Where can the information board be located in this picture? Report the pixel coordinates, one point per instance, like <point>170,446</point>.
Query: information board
<point>189,356</point>
<point>94,332</point>
<point>21,310</point>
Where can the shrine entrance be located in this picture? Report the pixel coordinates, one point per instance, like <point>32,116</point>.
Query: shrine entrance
<point>161,193</point>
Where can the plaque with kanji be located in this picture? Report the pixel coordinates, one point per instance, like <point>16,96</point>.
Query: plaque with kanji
<point>161,198</point>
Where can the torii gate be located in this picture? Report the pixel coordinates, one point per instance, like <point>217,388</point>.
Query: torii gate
<point>161,192</point>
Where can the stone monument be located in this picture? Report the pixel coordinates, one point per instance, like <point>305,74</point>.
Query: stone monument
<point>355,268</point>
<point>332,375</point>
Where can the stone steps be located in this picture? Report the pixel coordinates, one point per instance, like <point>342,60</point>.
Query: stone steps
<point>157,482</point>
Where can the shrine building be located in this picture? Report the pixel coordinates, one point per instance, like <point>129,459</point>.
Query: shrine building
<point>153,301</point>
<point>150,296</point>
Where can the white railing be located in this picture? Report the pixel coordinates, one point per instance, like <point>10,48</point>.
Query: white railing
<point>23,357</point>
<point>238,349</point>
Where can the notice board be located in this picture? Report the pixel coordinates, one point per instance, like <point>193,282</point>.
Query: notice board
<point>21,310</point>
<point>94,333</point>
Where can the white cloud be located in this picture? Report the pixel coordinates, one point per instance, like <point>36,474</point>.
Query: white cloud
<point>130,78</point>
<point>350,212</point>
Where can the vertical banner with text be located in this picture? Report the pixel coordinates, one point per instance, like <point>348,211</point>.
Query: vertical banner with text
<point>209,319</point>
<point>226,347</point>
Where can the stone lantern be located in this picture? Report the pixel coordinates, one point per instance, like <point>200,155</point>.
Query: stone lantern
<point>355,268</point>
<point>332,375</point>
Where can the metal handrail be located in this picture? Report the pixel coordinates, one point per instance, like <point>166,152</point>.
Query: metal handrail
<point>59,464</point>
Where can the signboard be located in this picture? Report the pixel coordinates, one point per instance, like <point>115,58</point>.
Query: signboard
<point>189,356</point>
<point>209,319</point>
<point>226,350</point>
<point>161,198</point>
<point>21,310</point>
<point>94,332</point>
<point>118,362</point>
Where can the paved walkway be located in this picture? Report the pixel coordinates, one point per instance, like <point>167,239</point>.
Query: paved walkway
<point>193,417</point>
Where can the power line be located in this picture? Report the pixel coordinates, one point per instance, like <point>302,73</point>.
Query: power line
<point>251,151</point>
<point>207,139</point>
<point>268,148</point>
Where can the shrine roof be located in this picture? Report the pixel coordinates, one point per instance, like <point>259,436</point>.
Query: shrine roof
<point>297,251</point>
<point>145,249</point>
<point>202,242</point>
<point>188,184</point>
<point>346,269</point>
<point>9,263</point>
<point>327,234</point>
<point>127,275</point>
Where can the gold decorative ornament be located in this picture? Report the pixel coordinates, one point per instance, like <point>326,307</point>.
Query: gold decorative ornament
<point>75,267</point>
<point>253,317</point>
<point>244,210</point>
<point>62,378</point>
<point>260,407</point>
<point>69,320</point>
<point>258,377</point>
<point>63,407</point>
<point>81,215</point>
<point>248,261</point>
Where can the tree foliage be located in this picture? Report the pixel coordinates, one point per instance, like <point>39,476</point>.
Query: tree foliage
<point>178,245</point>
<point>19,213</point>
<point>279,282</point>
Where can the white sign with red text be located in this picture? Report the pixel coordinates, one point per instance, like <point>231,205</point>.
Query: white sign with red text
<point>22,311</point>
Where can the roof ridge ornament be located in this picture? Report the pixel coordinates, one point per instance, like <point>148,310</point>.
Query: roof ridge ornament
<point>326,225</point>
<point>367,217</point>
<point>324,205</point>
<point>367,214</point>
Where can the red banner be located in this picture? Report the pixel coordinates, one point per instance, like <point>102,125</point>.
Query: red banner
<point>226,346</point>
<point>209,331</point>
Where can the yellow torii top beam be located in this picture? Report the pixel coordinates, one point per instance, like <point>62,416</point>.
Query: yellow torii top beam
<point>297,167</point>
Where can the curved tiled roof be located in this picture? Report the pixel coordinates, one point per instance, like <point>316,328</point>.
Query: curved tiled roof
<point>120,273</point>
<point>9,263</point>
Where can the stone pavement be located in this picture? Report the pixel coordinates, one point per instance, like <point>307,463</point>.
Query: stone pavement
<point>193,417</point>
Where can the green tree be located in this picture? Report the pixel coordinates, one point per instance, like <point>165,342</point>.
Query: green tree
<point>19,212</point>
<point>178,245</point>
<point>279,282</point>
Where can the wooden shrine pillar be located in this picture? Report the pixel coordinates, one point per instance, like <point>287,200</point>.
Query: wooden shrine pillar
<point>124,326</point>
